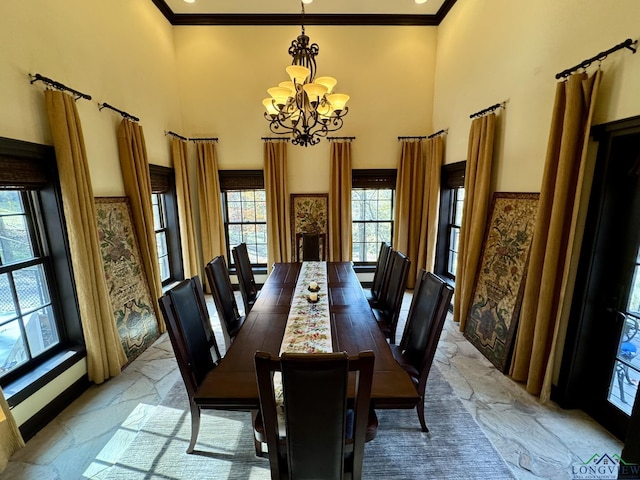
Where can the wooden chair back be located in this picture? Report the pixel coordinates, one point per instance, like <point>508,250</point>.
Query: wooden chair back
<point>323,437</point>
<point>185,313</point>
<point>246,280</point>
<point>311,247</point>
<point>391,302</point>
<point>381,266</point>
<point>425,320</point>
<point>223,297</point>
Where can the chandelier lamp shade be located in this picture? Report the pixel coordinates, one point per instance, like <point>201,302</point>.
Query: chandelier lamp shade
<point>305,107</point>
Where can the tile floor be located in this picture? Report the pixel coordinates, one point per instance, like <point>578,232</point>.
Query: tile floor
<point>537,441</point>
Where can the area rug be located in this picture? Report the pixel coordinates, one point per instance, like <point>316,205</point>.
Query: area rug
<point>454,448</point>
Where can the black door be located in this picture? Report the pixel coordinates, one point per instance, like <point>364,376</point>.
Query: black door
<point>601,365</point>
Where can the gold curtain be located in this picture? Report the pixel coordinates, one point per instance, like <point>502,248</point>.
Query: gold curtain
<point>105,355</point>
<point>554,237</point>
<point>434,149</point>
<point>477,193</point>
<point>190,253</point>
<point>10,438</point>
<point>212,236</point>
<point>137,185</point>
<point>277,193</point>
<point>408,210</point>
<point>340,202</point>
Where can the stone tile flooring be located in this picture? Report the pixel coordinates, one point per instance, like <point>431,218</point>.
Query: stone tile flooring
<point>537,441</point>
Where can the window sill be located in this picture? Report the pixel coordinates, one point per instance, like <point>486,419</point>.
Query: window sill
<point>17,391</point>
<point>364,268</point>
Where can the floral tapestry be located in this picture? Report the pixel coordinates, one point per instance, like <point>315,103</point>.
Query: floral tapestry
<point>497,296</point>
<point>126,281</point>
<point>309,214</point>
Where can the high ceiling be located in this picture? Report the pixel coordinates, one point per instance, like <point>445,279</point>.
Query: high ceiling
<point>320,12</point>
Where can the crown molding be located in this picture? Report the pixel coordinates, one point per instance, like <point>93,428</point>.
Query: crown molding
<point>237,19</point>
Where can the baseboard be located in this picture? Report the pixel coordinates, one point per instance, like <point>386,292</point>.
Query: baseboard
<point>38,421</point>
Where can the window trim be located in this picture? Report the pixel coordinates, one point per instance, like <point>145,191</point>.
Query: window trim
<point>25,380</point>
<point>238,180</point>
<point>163,181</point>
<point>452,177</point>
<point>374,179</point>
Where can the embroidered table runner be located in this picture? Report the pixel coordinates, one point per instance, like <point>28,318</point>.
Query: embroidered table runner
<point>308,327</point>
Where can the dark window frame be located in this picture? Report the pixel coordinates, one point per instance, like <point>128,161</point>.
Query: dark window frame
<point>239,180</point>
<point>374,179</point>
<point>452,178</point>
<point>38,173</point>
<point>163,182</point>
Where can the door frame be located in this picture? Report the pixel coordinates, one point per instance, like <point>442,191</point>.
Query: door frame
<point>586,334</point>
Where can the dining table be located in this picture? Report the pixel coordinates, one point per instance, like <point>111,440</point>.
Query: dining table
<point>353,328</point>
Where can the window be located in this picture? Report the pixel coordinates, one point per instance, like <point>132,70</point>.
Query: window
<point>35,266</point>
<point>28,325</point>
<point>245,213</point>
<point>451,206</point>
<point>453,225</point>
<point>165,222</point>
<point>160,226</point>
<point>372,201</point>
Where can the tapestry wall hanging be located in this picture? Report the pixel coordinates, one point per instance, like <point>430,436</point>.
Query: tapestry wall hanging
<point>497,295</point>
<point>309,214</point>
<point>128,288</point>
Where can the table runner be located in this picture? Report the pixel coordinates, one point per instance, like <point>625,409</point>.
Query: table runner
<point>308,327</point>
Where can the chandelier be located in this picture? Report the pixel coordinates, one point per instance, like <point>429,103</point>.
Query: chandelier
<point>305,107</point>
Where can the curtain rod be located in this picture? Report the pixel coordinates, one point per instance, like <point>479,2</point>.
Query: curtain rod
<point>203,139</point>
<point>490,109</point>
<point>174,134</point>
<point>341,138</point>
<point>192,139</point>
<point>439,132</point>
<point>124,114</point>
<point>411,138</point>
<point>58,86</point>
<point>269,139</point>
<point>628,43</point>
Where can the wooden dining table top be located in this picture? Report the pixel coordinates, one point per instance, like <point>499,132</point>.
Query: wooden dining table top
<point>354,329</point>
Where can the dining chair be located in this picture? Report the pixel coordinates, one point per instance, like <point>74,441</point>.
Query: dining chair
<point>428,310</point>
<point>224,298</point>
<point>387,309</point>
<point>246,281</point>
<point>311,247</point>
<point>185,313</point>
<point>316,434</point>
<point>375,292</point>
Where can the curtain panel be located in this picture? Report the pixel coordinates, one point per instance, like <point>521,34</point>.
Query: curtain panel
<point>434,152</point>
<point>10,438</point>
<point>477,192</point>
<point>137,185</point>
<point>212,238</point>
<point>556,240</point>
<point>190,253</point>
<point>340,202</point>
<point>105,354</point>
<point>408,211</point>
<point>277,194</point>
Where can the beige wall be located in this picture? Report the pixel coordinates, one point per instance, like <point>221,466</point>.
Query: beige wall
<point>224,73</point>
<point>118,51</point>
<point>506,50</point>
<point>498,50</point>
